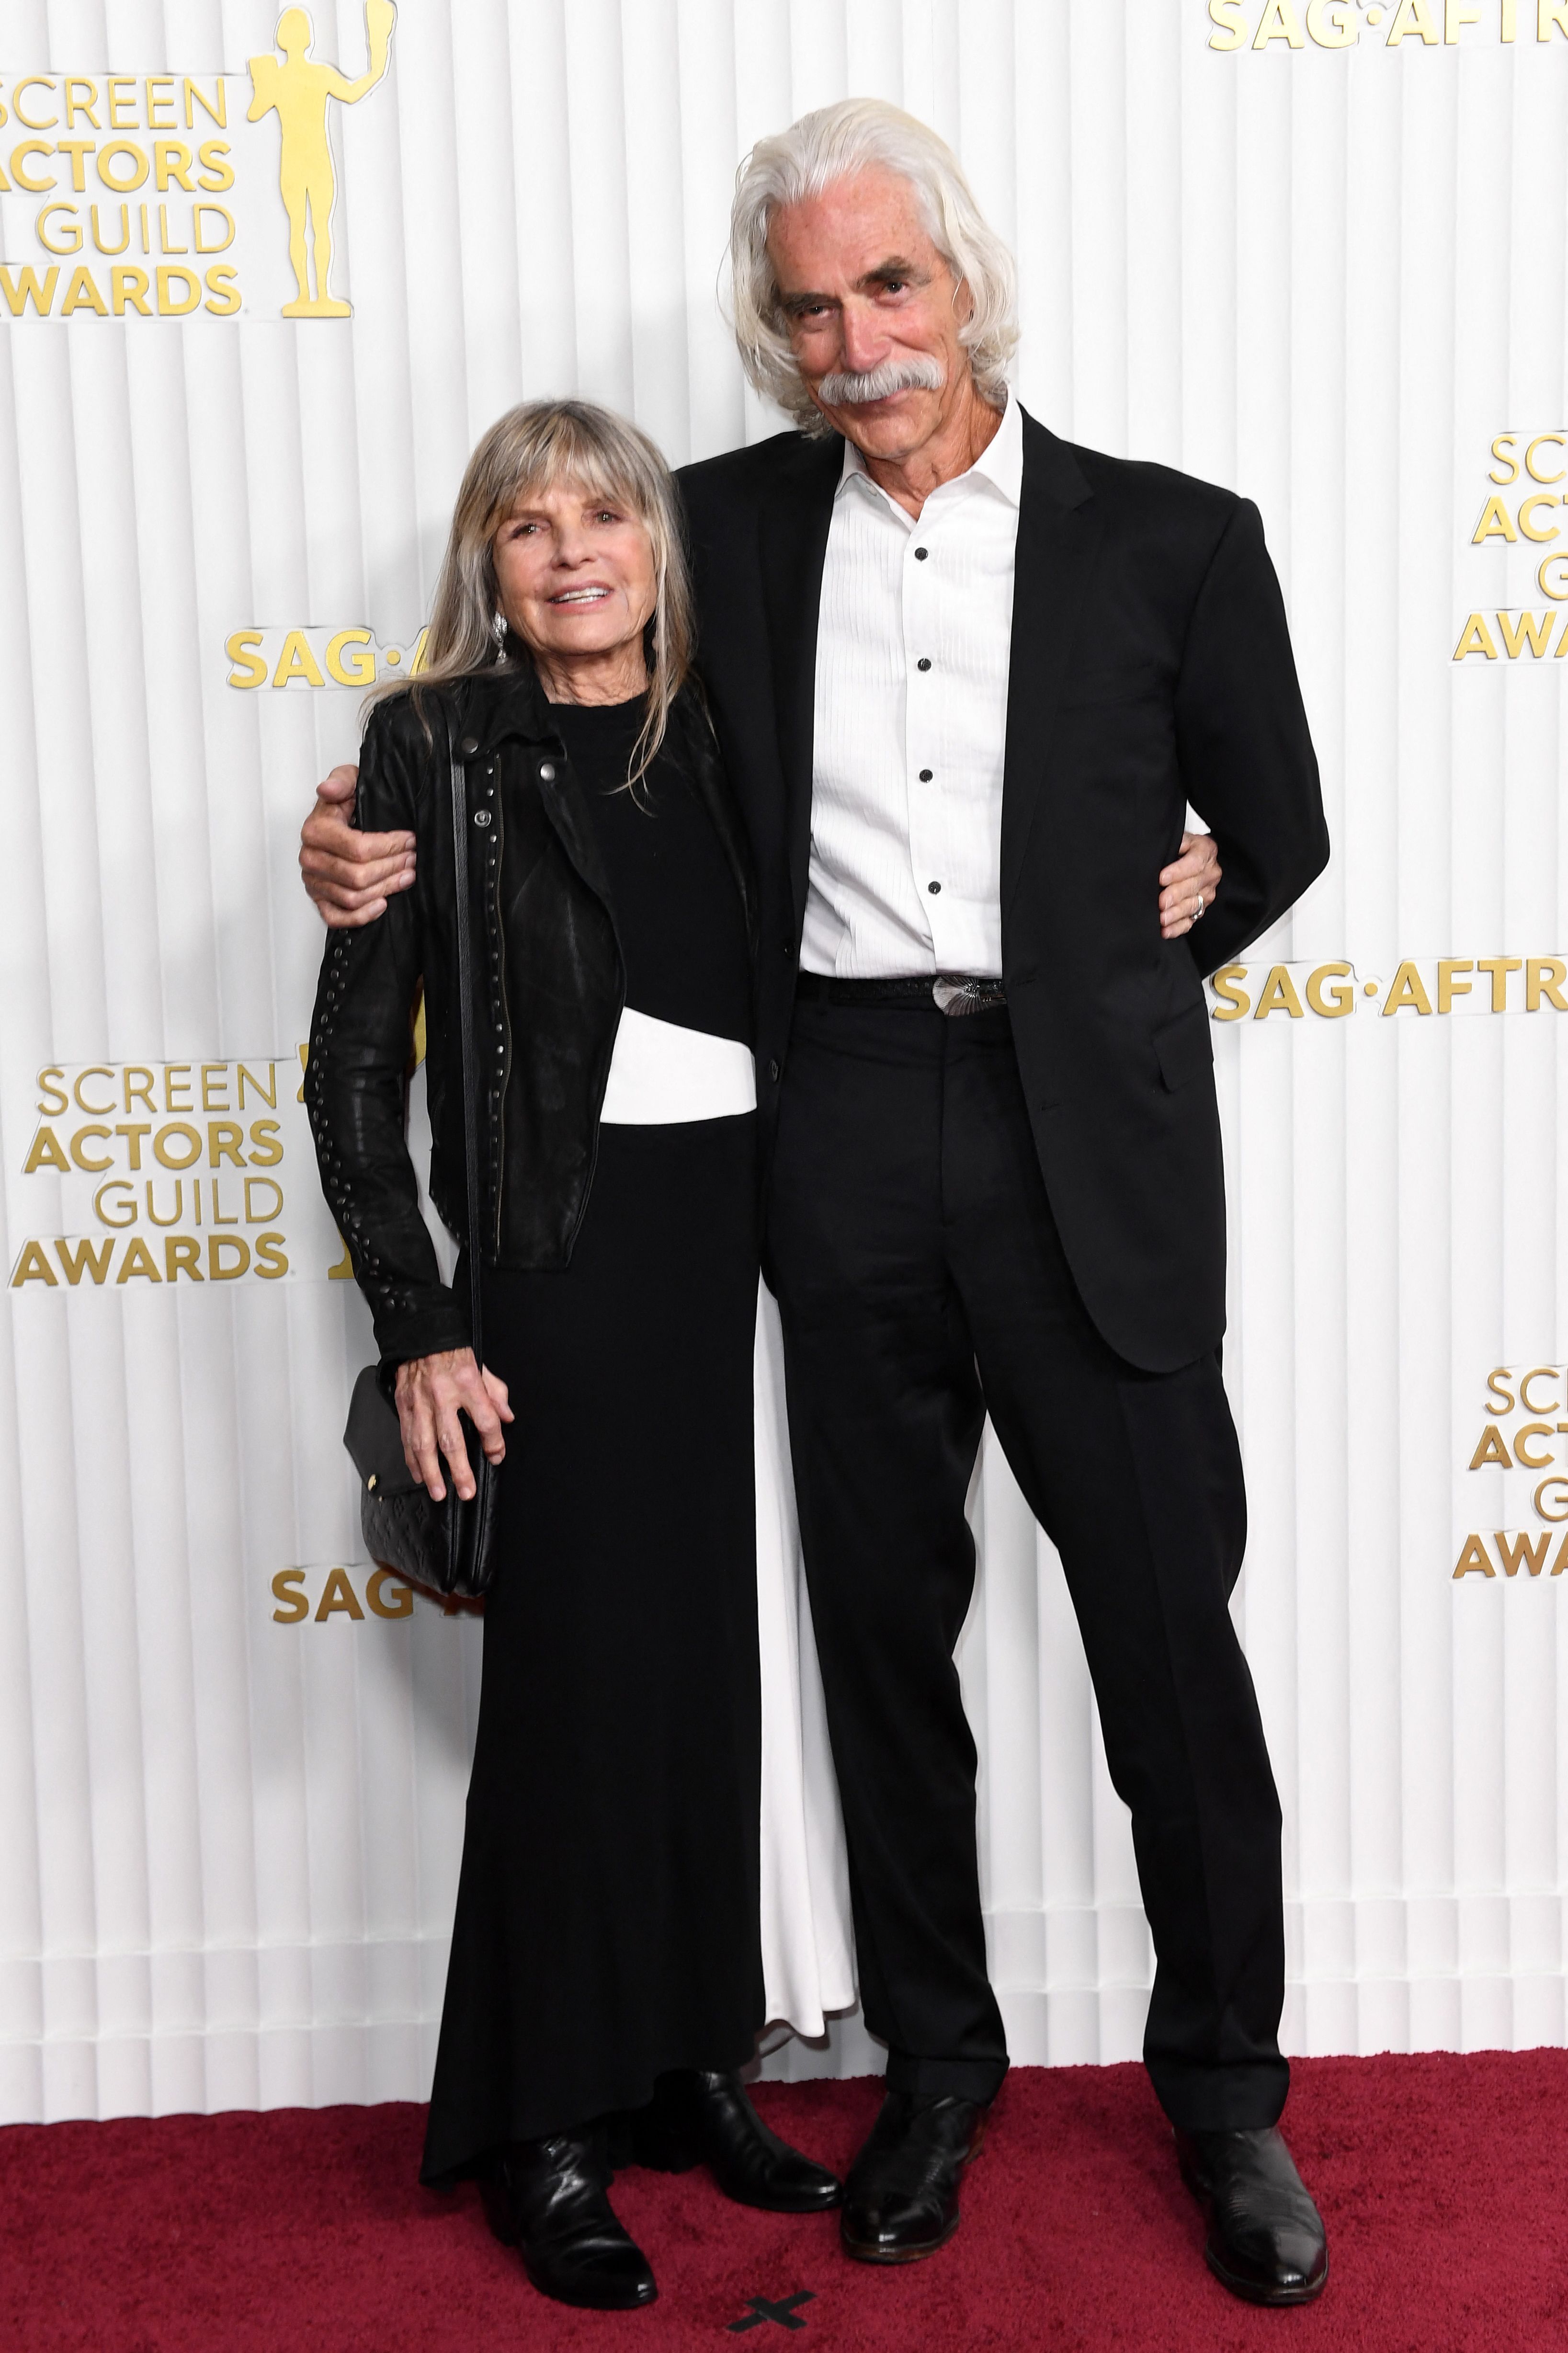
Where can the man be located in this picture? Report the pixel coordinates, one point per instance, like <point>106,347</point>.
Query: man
<point>967,679</point>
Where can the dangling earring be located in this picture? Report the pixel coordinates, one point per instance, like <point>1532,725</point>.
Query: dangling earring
<point>498,630</point>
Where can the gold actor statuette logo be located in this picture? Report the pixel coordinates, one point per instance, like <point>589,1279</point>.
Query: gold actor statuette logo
<point>299,90</point>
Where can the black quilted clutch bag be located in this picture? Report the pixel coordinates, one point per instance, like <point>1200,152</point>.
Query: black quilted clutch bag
<point>448,1547</point>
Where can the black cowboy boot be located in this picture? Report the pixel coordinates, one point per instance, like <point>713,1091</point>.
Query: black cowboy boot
<point>900,2201</point>
<point>1266,2240</point>
<point>548,2199</point>
<point>700,2118</point>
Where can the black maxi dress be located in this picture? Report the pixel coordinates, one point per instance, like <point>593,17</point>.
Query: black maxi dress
<point>606,1924</point>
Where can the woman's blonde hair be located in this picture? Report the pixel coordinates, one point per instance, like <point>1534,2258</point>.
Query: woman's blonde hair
<point>861,134</point>
<point>532,448</point>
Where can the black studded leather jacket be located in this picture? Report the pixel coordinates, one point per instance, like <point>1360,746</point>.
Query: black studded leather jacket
<point>549,987</point>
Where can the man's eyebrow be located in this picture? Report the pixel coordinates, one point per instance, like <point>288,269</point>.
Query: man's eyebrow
<point>884,272</point>
<point>895,268</point>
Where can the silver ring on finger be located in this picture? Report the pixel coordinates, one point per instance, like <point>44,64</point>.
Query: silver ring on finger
<point>1198,909</point>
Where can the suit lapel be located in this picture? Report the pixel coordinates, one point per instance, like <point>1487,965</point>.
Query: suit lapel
<point>1059,542</point>
<point>793,530</point>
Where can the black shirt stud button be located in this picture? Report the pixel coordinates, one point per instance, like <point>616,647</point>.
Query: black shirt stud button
<point>920,555</point>
<point>468,746</point>
<point>925,776</point>
<point>933,888</point>
<point>924,662</point>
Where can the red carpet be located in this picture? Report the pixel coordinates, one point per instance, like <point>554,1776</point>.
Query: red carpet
<point>1442,2180</point>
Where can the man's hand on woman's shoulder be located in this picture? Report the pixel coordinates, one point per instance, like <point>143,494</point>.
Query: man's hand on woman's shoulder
<point>351,876</point>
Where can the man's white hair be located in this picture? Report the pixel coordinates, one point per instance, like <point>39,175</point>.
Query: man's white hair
<point>856,135</point>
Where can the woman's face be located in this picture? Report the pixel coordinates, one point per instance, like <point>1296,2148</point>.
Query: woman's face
<point>575,574</point>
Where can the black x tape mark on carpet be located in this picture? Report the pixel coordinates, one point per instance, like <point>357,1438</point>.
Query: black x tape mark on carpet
<point>759,2309</point>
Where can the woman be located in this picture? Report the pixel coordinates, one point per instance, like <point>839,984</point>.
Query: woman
<point>605,1957</point>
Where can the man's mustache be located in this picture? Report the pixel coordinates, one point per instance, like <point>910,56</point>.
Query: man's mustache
<point>855,387</point>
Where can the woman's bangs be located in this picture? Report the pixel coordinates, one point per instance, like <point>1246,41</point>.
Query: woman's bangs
<point>568,455</point>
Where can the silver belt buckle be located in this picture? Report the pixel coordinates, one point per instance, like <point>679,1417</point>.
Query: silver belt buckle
<point>957,996</point>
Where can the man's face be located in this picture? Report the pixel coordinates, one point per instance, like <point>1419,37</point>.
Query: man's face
<point>863,288</point>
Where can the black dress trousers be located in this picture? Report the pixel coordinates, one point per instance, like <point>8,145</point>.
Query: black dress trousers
<point>921,1282</point>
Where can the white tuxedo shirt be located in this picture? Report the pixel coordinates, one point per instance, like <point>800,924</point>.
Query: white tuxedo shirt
<point>912,654</point>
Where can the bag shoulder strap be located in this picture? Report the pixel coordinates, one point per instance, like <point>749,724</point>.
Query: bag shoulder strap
<point>468,1059</point>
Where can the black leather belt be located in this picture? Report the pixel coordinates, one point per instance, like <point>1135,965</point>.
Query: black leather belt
<point>951,991</point>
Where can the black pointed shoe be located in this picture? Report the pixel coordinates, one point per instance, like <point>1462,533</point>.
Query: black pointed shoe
<point>1265,2240</point>
<point>900,2201</point>
<point>548,2199</point>
<point>700,2118</point>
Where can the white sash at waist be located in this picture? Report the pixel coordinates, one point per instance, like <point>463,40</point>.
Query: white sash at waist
<point>661,1074</point>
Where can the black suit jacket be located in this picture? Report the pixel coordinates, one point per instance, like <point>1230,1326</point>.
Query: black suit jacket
<point>1151,666</point>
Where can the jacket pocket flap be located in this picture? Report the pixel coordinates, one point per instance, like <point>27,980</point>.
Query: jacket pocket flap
<point>1185,1047</point>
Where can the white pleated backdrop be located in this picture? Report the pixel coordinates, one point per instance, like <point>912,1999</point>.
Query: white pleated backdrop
<point>228,1845</point>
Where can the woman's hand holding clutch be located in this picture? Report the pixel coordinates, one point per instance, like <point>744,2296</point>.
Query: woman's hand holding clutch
<point>431,1393</point>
